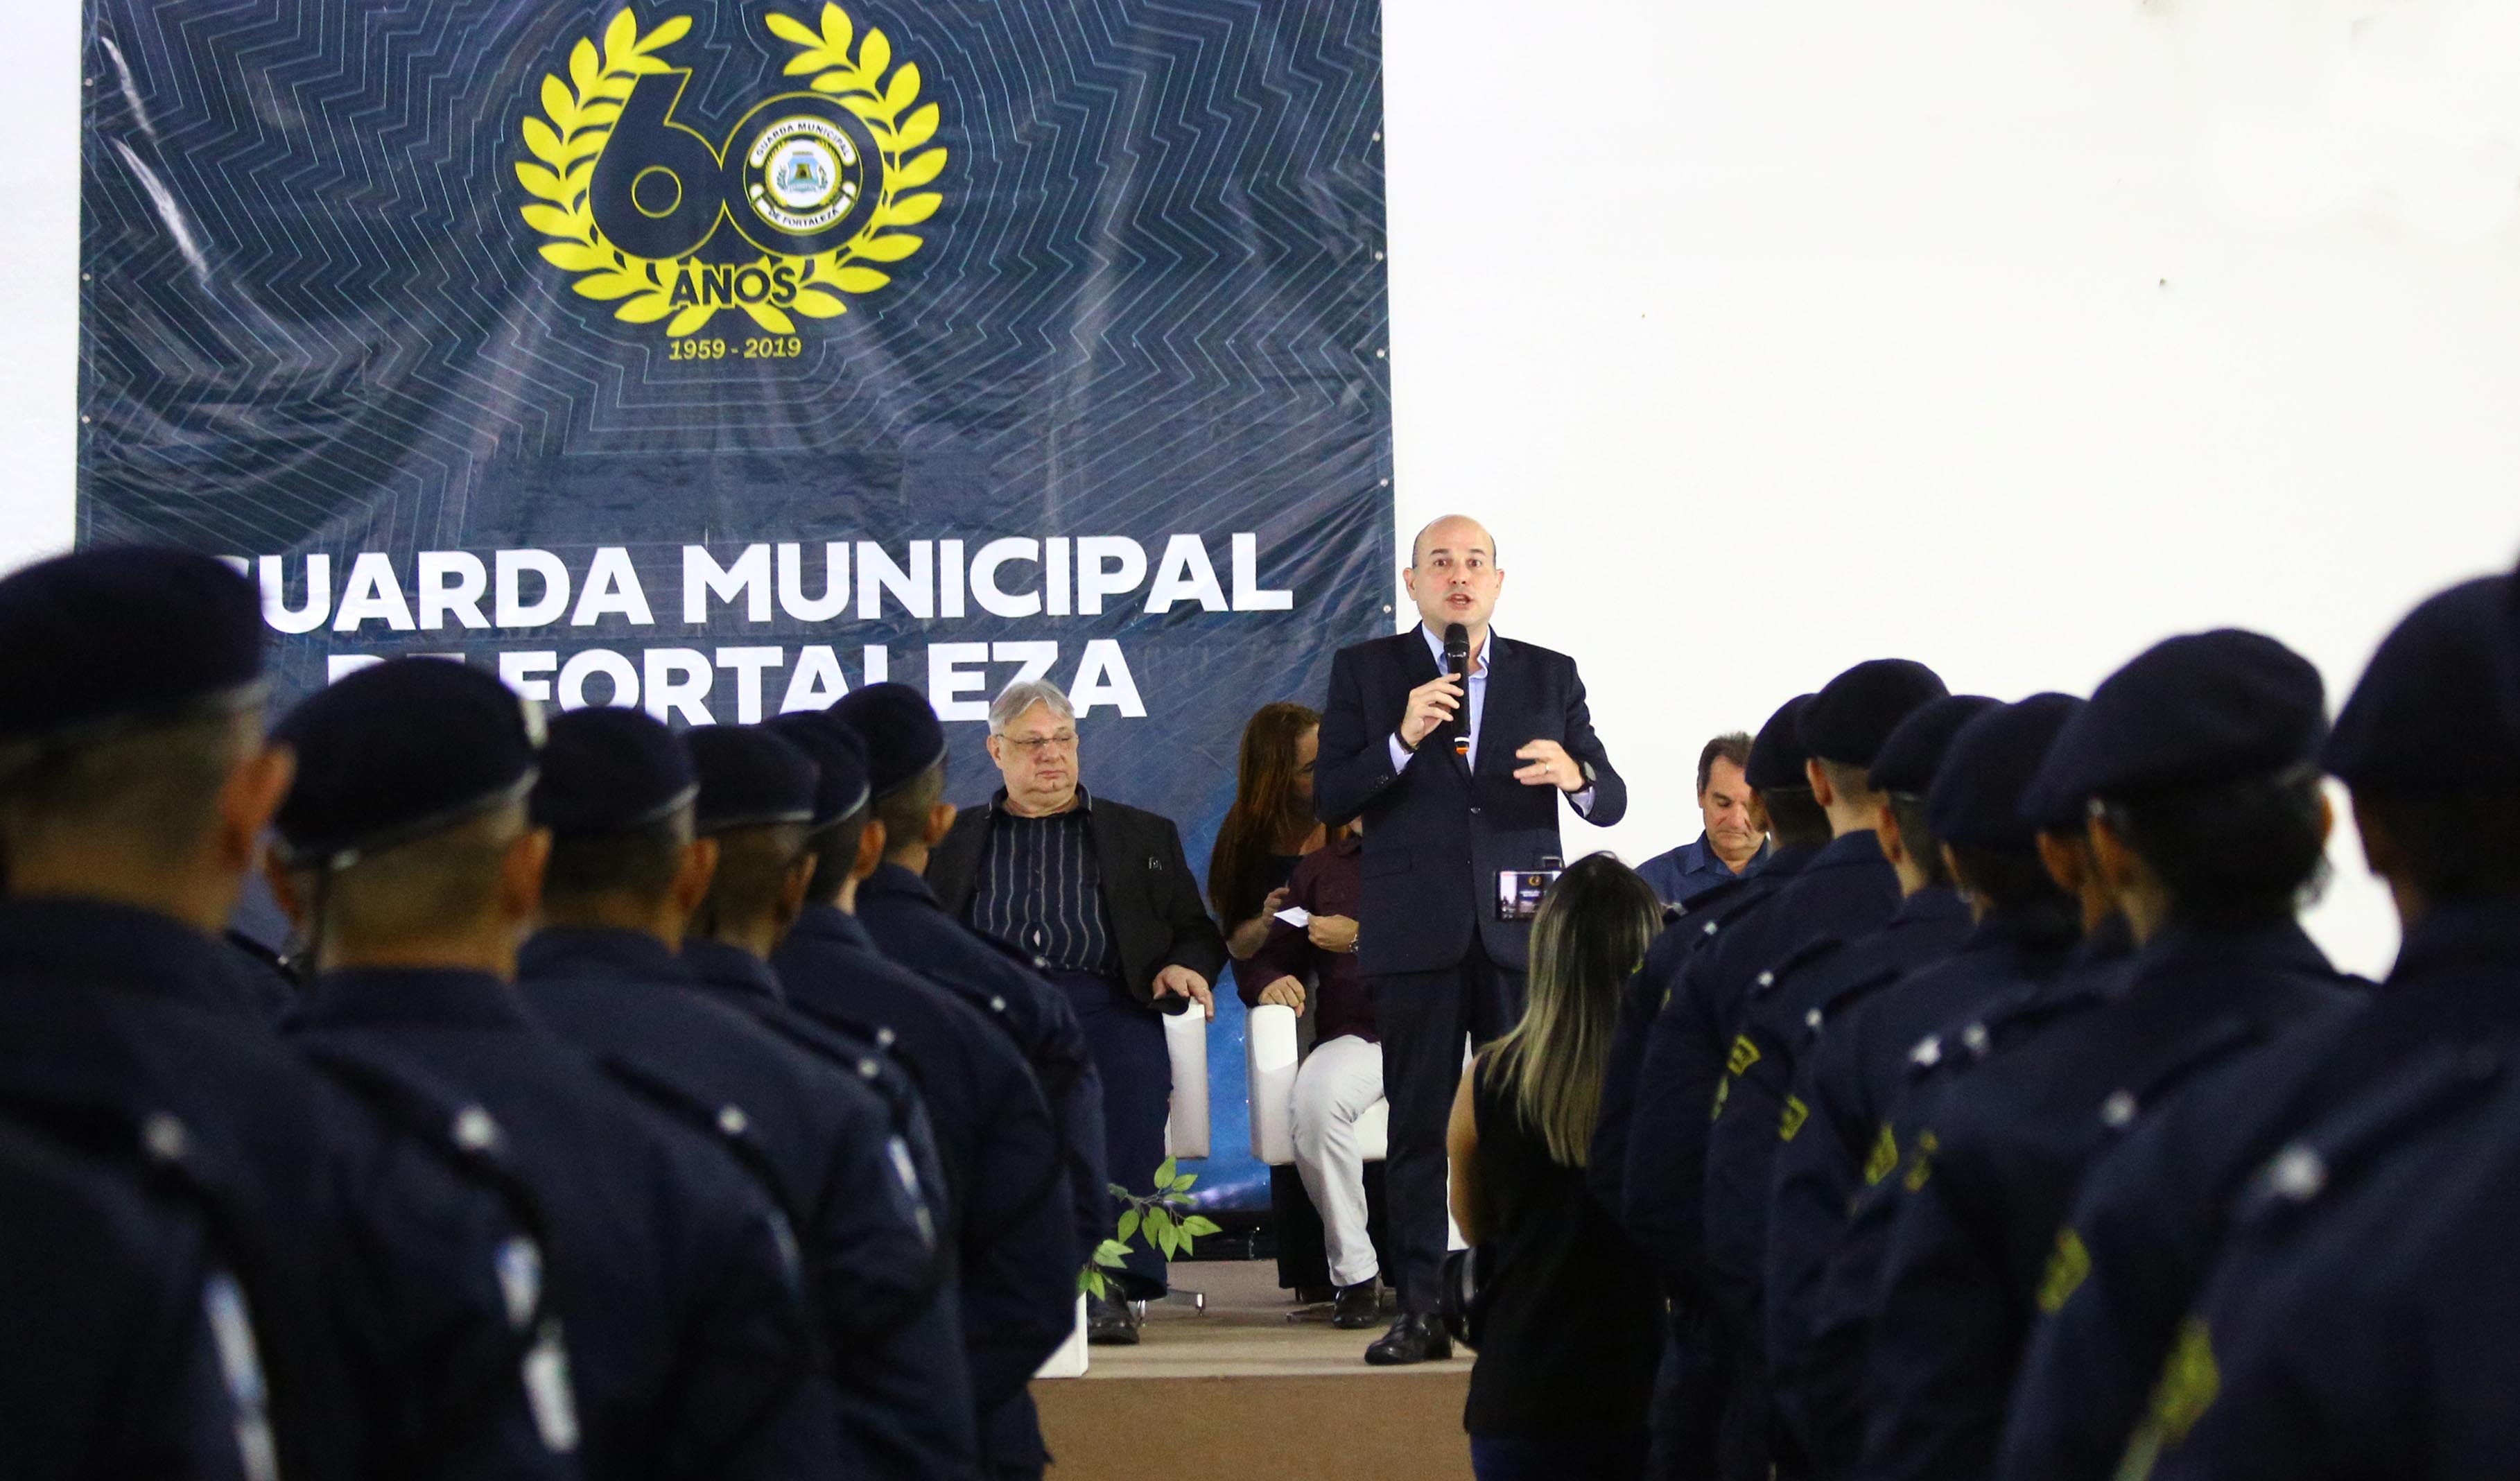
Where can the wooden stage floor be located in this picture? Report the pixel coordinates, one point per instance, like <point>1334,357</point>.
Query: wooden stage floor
<point>1239,1391</point>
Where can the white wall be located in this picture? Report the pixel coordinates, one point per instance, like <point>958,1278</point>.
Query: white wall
<point>1769,338</point>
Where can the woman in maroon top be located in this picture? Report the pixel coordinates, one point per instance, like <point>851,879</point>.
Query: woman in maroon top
<point>1342,1077</point>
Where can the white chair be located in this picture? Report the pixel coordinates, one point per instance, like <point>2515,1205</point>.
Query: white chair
<point>1072,1358</point>
<point>1186,1128</point>
<point>1271,1052</point>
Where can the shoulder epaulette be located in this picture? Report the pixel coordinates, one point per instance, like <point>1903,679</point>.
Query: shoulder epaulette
<point>1797,960</point>
<point>2339,1148</point>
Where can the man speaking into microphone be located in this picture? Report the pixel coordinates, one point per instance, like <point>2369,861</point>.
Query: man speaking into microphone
<point>1454,744</point>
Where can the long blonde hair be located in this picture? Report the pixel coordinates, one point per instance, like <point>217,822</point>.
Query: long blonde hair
<point>1591,936</point>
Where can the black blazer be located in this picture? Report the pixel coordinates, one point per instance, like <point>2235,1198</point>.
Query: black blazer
<point>1157,915</point>
<point>1436,836</point>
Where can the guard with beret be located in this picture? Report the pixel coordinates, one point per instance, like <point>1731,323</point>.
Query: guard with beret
<point>1815,1125</point>
<point>1013,1231</point>
<point>1848,889</point>
<point>627,874</point>
<point>906,768</point>
<point>1680,1055</point>
<point>2198,763</point>
<point>675,1344</point>
<point>757,800</point>
<point>135,784</point>
<point>2431,760</point>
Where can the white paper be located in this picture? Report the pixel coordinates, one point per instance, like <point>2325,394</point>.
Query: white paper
<point>1296,916</point>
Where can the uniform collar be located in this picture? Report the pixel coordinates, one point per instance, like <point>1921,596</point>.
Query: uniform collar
<point>1848,850</point>
<point>2462,933</point>
<point>892,879</point>
<point>584,951</point>
<point>1933,904</point>
<point>1436,645</point>
<point>732,970</point>
<point>388,997</point>
<point>95,942</point>
<point>2278,945</point>
<point>1786,862</point>
<point>830,922</point>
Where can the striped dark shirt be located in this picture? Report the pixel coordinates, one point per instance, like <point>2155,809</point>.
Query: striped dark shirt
<point>1041,889</point>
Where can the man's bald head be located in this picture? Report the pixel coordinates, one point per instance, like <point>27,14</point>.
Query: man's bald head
<point>1452,575</point>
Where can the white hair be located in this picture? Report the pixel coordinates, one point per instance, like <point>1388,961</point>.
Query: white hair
<point>1024,694</point>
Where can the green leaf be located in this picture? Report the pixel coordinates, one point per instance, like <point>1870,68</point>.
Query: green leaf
<point>1111,1253</point>
<point>1117,1191</point>
<point>918,127</point>
<point>1165,1174</point>
<point>1181,1184</point>
<point>1091,1282</point>
<point>1198,1224</point>
<point>791,31</point>
<point>1129,1223</point>
<point>920,170</point>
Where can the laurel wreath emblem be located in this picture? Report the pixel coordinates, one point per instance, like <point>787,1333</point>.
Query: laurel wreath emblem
<point>580,110</point>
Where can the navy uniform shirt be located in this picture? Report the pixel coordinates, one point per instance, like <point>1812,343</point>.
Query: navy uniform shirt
<point>1014,1234</point>
<point>921,1423</point>
<point>867,1254</point>
<point>375,1296</point>
<point>1835,1197</point>
<point>2359,1322</point>
<point>2151,1216</point>
<point>1682,1062</point>
<point>1681,874</point>
<point>108,1366</point>
<point>2010,1140</point>
<point>902,915</point>
<point>687,1346</point>
<point>1685,931</point>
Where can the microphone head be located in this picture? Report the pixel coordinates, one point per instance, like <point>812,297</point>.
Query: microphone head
<point>1456,640</point>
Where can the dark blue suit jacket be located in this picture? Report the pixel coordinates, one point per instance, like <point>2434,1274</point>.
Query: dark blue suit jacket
<point>1437,836</point>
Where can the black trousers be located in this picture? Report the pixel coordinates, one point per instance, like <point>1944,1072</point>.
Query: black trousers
<point>1421,1019</point>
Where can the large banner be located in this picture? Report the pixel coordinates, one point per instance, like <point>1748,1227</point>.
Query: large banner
<point>717,356</point>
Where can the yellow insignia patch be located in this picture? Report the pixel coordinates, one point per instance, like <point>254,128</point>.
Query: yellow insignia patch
<point>2189,1382</point>
<point>2066,1271</point>
<point>1796,1113</point>
<point>1921,1166</point>
<point>1884,1159</point>
<point>1745,1055</point>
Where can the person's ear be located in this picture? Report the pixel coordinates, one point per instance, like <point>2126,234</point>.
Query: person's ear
<point>520,874</point>
<point>1894,844</point>
<point>793,887</point>
<point>283,891</point>
<point>2326,816</point>
<point>2380,848</point>
<point>1757,807</point>
<point>692,879</point>
<point>2063,859</point>
<point>997,746</point>
<point>251,796</point>
<point>940,822</point>
<point>871,845</point>
<point>2120,871</point>
<point>1822,792</point>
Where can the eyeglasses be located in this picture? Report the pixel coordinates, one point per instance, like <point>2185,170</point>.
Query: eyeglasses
<point>1034,745</point>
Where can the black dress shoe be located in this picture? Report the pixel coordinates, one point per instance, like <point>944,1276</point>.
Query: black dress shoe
<point>1356,1307</point>
<point>1109,1324</point>
<point>1415,1337</point>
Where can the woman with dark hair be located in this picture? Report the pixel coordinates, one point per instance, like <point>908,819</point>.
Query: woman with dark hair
<point>1567,1317</point>
<point>1269,827</point>
<point>1268,831</point>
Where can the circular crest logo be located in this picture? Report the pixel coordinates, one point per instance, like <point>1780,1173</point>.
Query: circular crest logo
<point>788,216</point>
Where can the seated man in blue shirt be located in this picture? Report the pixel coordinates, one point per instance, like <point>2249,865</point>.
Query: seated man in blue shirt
<point>1733,846</point>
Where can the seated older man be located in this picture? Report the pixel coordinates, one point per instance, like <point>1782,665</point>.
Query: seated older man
<point>1100,896</point>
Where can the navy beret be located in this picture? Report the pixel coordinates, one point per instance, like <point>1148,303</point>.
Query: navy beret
<point>839,757</point>
<point>902,734</point>
<point>1976,797</point>
<point>1907,759</point>
<point>1847,721</point>
<point>133,633</point>
<point>609,770</point>
<point>749,777</point>
<point>399,750</point>
<point>2424,718</point>
<point>1777,756</point>
<point>2192,711</point>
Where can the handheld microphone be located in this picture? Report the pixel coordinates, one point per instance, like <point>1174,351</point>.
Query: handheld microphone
<point>1456,663</point>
